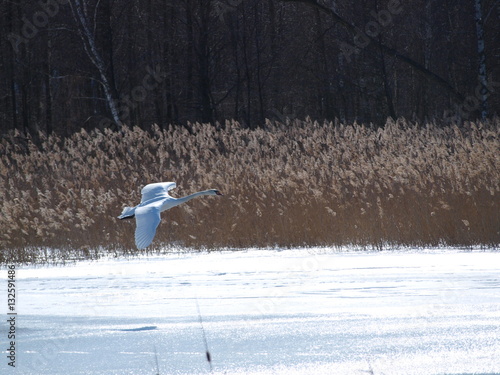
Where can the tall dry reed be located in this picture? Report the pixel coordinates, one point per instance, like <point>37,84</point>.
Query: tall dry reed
<point>296,184</point>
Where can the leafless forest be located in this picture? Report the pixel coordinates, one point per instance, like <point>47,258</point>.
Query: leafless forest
<point>72,64</point>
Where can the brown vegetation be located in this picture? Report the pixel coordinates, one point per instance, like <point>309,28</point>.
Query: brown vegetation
<point>296,184</point>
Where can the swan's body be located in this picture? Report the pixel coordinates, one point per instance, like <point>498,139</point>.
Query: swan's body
<point>155,199</point>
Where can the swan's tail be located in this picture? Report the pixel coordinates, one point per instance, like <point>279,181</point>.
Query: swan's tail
<point>127,213</point>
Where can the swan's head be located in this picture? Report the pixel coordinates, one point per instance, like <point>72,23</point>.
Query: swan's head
<point>214,192</point>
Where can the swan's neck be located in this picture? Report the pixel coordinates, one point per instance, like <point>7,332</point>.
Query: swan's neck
<point>191,196</point>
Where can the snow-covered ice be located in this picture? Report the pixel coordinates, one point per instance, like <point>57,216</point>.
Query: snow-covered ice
<point>315,311</point>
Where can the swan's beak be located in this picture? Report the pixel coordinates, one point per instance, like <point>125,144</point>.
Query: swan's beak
<point>218,193</point>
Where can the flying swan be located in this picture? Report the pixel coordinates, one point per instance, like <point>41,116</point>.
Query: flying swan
<point>155,199</point>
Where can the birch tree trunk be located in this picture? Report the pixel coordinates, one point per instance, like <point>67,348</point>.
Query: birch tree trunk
<point>89,43</point>
<point>483,80</point>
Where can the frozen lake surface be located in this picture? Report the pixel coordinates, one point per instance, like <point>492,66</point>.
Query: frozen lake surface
<point>266,312</point>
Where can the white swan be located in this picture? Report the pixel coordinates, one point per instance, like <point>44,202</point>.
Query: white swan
<point>155,199</point>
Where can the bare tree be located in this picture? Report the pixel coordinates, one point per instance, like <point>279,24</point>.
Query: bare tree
<point>386,49</point>
<point>483,79</point>
<point>80,14</point>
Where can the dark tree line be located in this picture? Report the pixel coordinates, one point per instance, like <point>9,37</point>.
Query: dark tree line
<point>68,64</point>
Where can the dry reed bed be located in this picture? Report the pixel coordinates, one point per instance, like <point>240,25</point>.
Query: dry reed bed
<point>295,184</point>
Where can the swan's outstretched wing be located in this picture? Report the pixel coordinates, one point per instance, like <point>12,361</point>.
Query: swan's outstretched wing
<point>156,190</point>
<point>147,219</point>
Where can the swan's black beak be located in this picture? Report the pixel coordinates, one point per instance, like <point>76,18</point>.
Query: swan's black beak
<point>218,193</point>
